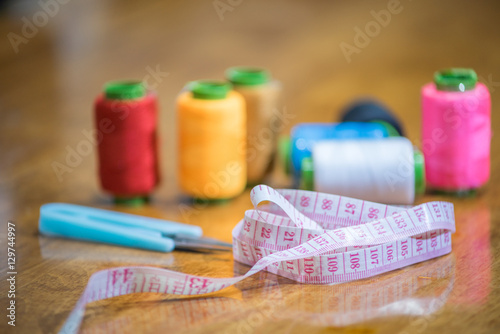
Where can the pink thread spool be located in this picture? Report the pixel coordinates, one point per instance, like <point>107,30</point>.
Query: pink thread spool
<point>456,131</point>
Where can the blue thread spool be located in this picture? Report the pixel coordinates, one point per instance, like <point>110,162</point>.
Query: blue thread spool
<point>303,136</point>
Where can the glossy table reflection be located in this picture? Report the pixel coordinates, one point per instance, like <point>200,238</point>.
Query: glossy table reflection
<point>47,90</point>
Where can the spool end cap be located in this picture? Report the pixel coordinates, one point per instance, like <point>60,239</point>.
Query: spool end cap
<point>455,79</point>
<point>131,201</point>
<point>247,76</point>
<point>419,165</point>
<point>391,130</point>
<point>285,153</point>
<point>210,90</point>
<point>307,174</point>
<point>124,90</point>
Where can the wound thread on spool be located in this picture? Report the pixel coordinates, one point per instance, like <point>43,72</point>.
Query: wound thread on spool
<point>370,110</point>
<point>456,131</point>
<point>387,170</point>
<point>305,135</point>
<point>125,120</point>
<point>261,95</point>
<point>212,141</point>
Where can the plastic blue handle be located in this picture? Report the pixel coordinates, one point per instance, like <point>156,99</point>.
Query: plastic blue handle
<point>90,224</point>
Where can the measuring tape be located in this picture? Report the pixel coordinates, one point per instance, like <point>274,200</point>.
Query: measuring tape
<point>306,236</point>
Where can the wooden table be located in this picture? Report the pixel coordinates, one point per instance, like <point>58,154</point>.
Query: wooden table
<point>46,95</point>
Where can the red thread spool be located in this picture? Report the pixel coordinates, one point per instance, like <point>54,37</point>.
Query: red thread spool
<point>125,119</point>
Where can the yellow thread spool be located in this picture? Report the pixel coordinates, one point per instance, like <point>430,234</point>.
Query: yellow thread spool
<point>212,141</point>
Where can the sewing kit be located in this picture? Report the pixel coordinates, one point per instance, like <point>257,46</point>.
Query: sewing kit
<point>344,230</point>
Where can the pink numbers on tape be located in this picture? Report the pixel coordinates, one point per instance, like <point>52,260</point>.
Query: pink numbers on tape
<point>322,239</point>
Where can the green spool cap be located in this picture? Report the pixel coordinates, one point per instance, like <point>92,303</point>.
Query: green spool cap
<point>455,79</point>
<point>131,201</point>
<point>247,76</point>
<point>390,129</point>
<point>419,165</point>
<point>307,174</point>
<point>285,152</point>
<point>209,90</point>
<point>124,90</point>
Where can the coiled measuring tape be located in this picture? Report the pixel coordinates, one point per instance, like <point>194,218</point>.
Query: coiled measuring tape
<point>306,236</point>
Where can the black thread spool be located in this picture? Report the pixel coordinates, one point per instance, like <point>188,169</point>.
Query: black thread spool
<point>370,110</point>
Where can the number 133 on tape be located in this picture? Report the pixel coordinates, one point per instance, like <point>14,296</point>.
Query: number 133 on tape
<point>308,237</point>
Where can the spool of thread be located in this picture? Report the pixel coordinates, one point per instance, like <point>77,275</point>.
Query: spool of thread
<point>212,140</point>
<point>456,131</point>
<point>304,136</point>
<point>125,121</point>
<point>261,95</point>
<point>386,170</point>
<point>369,110</point>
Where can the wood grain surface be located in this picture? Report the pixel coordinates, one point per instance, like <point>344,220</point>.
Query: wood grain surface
<point>51,73</point>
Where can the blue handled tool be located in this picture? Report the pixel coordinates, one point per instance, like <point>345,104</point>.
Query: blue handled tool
<point>110,227</point>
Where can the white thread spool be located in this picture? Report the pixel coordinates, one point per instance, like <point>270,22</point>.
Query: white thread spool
<point>374,170</point>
